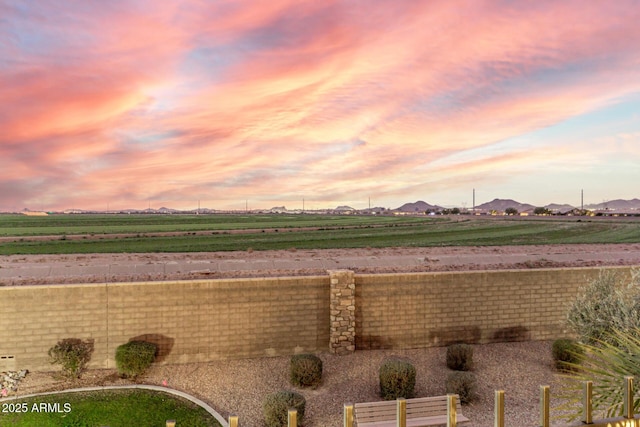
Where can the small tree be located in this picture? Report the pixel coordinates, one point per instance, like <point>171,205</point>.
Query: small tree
<point>511,211</point>
<point>541,211</point>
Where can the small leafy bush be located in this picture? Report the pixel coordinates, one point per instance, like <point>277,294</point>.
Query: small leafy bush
<point>397,379</point>
<point>276,407</point>
<point>462,383</point>
<point>135,357</point>
<point>306,370</point>
<point>566,352</point>
<point>73,354</point>
<point>460,357</point>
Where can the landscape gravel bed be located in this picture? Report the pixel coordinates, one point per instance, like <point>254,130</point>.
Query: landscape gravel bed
<point>239,386</point>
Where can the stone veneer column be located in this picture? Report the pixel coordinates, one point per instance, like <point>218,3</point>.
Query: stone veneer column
<point>342,335</point>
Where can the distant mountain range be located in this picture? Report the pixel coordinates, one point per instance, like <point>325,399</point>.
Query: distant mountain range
<point>499,205</point>
<point>418,206</point>
<point>617,204</point>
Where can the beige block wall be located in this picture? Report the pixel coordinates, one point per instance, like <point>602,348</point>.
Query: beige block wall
<point>191,320</point>
<point>421,310</point>
<point>221,319</point>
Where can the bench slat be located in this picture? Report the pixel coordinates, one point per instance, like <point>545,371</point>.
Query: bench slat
<point>423,411</point>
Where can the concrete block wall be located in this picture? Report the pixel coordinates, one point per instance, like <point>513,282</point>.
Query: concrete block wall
<point>197,321</point>
<point>192,321</point>
<point>421,310</point>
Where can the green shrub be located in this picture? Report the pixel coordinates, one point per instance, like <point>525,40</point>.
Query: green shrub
<point>135,357</point>
<point>609,303</point>
<point>276,407</point>
<point>460,357</point>
<point>306,370</point>
<point>566,352</point>
<point>397,379</point>
<point>72,354</point>
<point>463,384</point>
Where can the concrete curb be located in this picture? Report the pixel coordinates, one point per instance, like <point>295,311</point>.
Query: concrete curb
<point>182,394</point>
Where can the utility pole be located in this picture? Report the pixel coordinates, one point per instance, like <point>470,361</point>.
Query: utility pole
<point>582,200</point>
<point>474,200</point>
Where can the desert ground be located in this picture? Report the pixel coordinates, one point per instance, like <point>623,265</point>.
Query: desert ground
<point>81,268</point>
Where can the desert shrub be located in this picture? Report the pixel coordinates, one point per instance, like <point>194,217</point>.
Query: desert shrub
<point>306,370</point>
<point>73,354</point>
<point>607,304</point>
<point>566,353</point>
<point>463,384</point>
<point>135,357</point>
<point>397,379</point>
<point>606,364</point>
<point>460,357</point>
<point>276,407</point>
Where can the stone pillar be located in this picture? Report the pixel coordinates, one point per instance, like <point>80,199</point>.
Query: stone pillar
<point>342,335</point>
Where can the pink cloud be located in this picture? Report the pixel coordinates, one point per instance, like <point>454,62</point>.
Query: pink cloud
<point>230,98</point>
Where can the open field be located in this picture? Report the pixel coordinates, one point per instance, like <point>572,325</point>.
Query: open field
<point>81,234</point>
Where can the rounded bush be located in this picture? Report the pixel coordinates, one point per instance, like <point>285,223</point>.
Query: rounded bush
<point>566,352</point>
<point>72,354</point>
<point>397,379</point>
<point>306,370</point>
<point>276,407</point>
<point>135,357</point>
<point>460,357</point>
<point>462,383</point>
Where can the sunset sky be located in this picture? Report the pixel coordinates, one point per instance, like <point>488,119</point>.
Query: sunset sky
<point>136,103</point>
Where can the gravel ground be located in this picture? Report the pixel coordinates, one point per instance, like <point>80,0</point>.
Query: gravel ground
<point>238,386</point>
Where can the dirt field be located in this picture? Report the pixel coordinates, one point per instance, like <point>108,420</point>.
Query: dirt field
<point>21,269</point>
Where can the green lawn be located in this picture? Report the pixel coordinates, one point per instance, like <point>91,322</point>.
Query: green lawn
<point>113,408</point>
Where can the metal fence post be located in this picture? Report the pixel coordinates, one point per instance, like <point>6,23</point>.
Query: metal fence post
<point>452,416</point>
<point>292,418</point>
<point>233,421</point>
<point>348,415</point>
<point>401,412</point>
<point>544,406</point>
<point>498,410</point>
<point>628,398</point>
<point>587,402</point>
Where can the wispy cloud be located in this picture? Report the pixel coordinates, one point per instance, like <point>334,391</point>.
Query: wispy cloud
<point>220,101</point>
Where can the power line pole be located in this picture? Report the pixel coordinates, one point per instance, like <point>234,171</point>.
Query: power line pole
<point>474,200</point>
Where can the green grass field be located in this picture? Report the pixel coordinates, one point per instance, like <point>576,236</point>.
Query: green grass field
<point>204,233</point>
<point>113,408</point>
<point>21,225</point>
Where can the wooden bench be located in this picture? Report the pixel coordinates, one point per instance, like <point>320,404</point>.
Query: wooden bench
<point>423,411</point>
